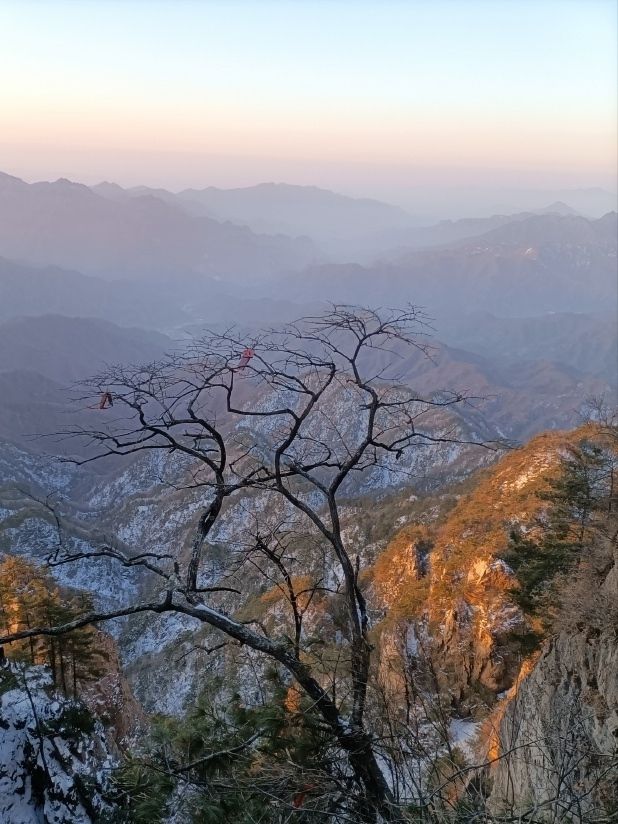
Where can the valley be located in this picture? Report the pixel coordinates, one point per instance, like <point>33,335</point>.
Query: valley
<point>390,595</point>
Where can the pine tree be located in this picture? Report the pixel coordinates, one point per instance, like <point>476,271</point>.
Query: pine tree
<point>29,597</point>
<point>583,488</point>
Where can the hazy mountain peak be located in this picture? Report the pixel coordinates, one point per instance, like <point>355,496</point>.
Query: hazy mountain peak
<point>109,189</point>
<point>558,207</point>
<point>297,210</point>
<point>74,226</point>
<point>62,186</point>
<point>550,227</point>
<point>608,217</point>
<point>10,180</point>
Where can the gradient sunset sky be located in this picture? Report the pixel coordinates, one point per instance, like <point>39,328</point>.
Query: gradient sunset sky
<point>348,94</point>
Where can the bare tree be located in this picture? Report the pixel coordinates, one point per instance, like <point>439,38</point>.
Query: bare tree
<point>318,402</point>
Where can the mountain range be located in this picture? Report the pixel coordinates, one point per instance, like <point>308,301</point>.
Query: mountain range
<point>280,208</point>
<point>42,358</point>
<point>68,225</point>
<point>524,326</point>
<point>530,266</point>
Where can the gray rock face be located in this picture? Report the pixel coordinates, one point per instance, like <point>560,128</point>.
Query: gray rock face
<point>560,729</point>
<point>51,770</point>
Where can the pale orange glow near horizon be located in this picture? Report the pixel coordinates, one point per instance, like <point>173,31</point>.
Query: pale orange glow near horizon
<point>429,97</point>
<point>479,138</point>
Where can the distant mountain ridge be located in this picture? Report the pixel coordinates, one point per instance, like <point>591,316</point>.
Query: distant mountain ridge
<point>280,208</point>
<point>322,214</point>
<point>449,232</point>
<point>68,349</point>
<point>554,228</point>
<point>40,357</point>
<point>69,225</point>
<point>586,342</point>
<point>540,264</point>
<point>167,305</point>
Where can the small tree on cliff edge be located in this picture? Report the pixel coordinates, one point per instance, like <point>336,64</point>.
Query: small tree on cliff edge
<point>274,427</point>
<point>29,597</point>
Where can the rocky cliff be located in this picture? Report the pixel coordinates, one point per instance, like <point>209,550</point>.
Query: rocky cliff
<point>448,578</point>
<point>54,757</point>
<point>558,735</point>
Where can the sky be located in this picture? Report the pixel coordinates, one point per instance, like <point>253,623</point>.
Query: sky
<point>365,97</point>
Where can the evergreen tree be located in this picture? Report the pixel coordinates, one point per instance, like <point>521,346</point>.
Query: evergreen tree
<point>234,763</point>
<point>29,598</point>
<point>582,489</point>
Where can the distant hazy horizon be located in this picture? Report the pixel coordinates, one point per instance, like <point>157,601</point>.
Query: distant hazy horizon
<point>424,204</point>
<point>390,100</point>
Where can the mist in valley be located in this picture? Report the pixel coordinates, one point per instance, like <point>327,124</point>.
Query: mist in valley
<point>515,304</point>
<point>308,435</point>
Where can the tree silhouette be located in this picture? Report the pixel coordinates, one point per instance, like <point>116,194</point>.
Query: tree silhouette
<point>319,402</point>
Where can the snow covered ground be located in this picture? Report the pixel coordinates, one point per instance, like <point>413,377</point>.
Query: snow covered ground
<point>44,753</point>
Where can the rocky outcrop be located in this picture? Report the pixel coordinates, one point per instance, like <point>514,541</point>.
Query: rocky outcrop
<point>558,735</point>
<point>473,640</point>
<point>450,577</point>
<point>111,700</point>
<point>54,758</point>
